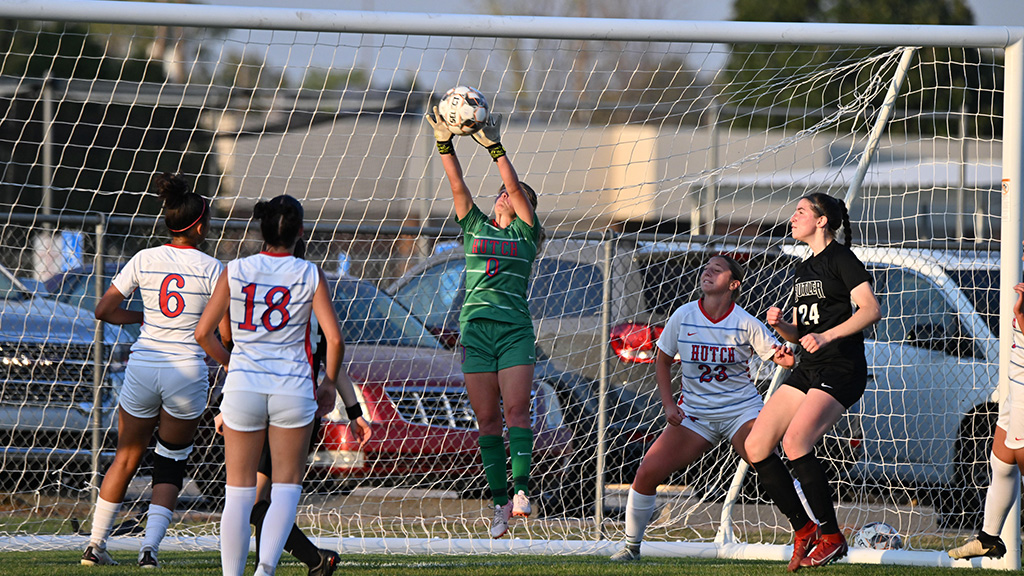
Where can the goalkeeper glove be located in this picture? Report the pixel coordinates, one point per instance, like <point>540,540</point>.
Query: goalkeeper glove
<point>489,136</point>
<point>442,134</point>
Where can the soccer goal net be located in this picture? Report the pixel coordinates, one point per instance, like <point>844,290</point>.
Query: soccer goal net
<point>652,144</point>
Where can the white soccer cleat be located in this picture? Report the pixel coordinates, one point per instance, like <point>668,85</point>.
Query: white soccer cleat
<point>521,505</point>
<point>502,513</point>
<point>975,548</point>
<point>627,554</point>
<point>96,556</point>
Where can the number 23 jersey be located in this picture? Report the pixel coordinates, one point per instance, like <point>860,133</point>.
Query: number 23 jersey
<point>715,355</point>
<point>821,300</point>
<point>271,304</point>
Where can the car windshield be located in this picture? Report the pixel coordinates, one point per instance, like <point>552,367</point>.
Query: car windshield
<point>9,290</point>
<point>78,288</point>
<point>435,293</point>
<point>982,288</point>
<point>565,288</point>
<point>671,282</point>
<point>368,316</point>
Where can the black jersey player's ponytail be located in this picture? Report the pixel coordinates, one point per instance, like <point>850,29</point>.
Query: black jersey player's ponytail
<point>280,220</point>
<point>835,211</point>
<point>847,229</point>
<point>183,209</point>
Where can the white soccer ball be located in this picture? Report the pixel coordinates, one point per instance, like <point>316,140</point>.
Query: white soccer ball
<point>464,110</point>
<point>878,536</point>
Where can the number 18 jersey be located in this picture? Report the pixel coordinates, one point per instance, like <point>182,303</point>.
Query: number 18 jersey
<point>175,283</point>
<point>271,304</point>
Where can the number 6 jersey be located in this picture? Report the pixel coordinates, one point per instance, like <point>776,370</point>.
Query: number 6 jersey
<point>715,355</point>
<point>271,303</point>
<point>175,283</point>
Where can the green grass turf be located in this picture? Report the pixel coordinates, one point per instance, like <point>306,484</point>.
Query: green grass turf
<point>65,563</point>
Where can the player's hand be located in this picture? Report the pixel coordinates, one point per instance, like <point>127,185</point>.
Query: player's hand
<point>441,131</point>
<point>674,415</point>
<point>326,396</point>
<point>813,342</point>
<point>773,316</point>
<point>218,424</point>
<point>490,134</point>
<point>783,356</point>
<point>1019,289</point>
<point>360,430</point>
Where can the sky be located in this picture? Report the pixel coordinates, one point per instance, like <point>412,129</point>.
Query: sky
<point>297,55</point>
<point>986,12</point>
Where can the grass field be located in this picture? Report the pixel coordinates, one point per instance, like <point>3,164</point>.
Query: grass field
<point>64,563</point>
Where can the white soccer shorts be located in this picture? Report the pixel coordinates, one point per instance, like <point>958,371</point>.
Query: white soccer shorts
<point>180,389</point>
<point>251,411</point>
<point>717,431</point>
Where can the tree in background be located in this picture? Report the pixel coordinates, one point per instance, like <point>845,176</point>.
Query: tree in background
<point>333,79</point>
<point>760,75</point>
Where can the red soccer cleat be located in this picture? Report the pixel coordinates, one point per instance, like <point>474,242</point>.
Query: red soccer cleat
<point>831,547</point>
<point>804,539</point>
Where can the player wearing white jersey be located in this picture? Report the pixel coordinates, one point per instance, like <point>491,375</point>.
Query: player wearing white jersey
<point>714,339</point>
<point>269,391</point>
<point>166,380</point>
<point>320,561</point>
<point>1007,453</point>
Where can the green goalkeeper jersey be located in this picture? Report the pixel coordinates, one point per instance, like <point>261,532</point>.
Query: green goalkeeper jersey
<point>498,263</point>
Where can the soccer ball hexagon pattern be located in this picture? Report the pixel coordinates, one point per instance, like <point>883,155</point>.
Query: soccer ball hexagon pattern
<point>878,536</point>
<point>464,110</point>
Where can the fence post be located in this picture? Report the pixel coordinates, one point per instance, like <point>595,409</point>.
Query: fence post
<point>607,240</point>
<point>98,365</point>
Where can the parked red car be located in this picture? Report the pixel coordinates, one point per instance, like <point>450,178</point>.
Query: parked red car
<point>413,392</point>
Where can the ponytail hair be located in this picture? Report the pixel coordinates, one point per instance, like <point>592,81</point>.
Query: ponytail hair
<point>280,220</point>
<point>183,208</point>
<point>834,210</point>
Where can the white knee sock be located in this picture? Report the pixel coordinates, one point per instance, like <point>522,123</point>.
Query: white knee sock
<point>103,521</point>
<point>157,521</point>
<point>639,509</point>
<point>234,528</point>
<point>1002,492</point>
<point>277,524</point>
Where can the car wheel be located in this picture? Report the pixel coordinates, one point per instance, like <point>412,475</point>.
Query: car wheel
<point>960,505</point>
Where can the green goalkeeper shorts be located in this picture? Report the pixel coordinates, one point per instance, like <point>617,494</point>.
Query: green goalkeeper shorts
<point>489,346</point>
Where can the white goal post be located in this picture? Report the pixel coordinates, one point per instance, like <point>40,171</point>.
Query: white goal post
<point>653,144</point>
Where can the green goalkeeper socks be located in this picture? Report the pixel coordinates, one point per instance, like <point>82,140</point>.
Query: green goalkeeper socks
<point>520,445</point>
<point>492,453</point>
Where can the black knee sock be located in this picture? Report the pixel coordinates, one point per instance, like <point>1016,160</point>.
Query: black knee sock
<point>301,547</point>
<point>809,471</point>
<point>778,483</point>
<point>297,544</point>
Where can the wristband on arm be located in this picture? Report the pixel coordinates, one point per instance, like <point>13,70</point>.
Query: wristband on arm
<point>354,412</point>
<point>445,147</point>
<point>496,151</point>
